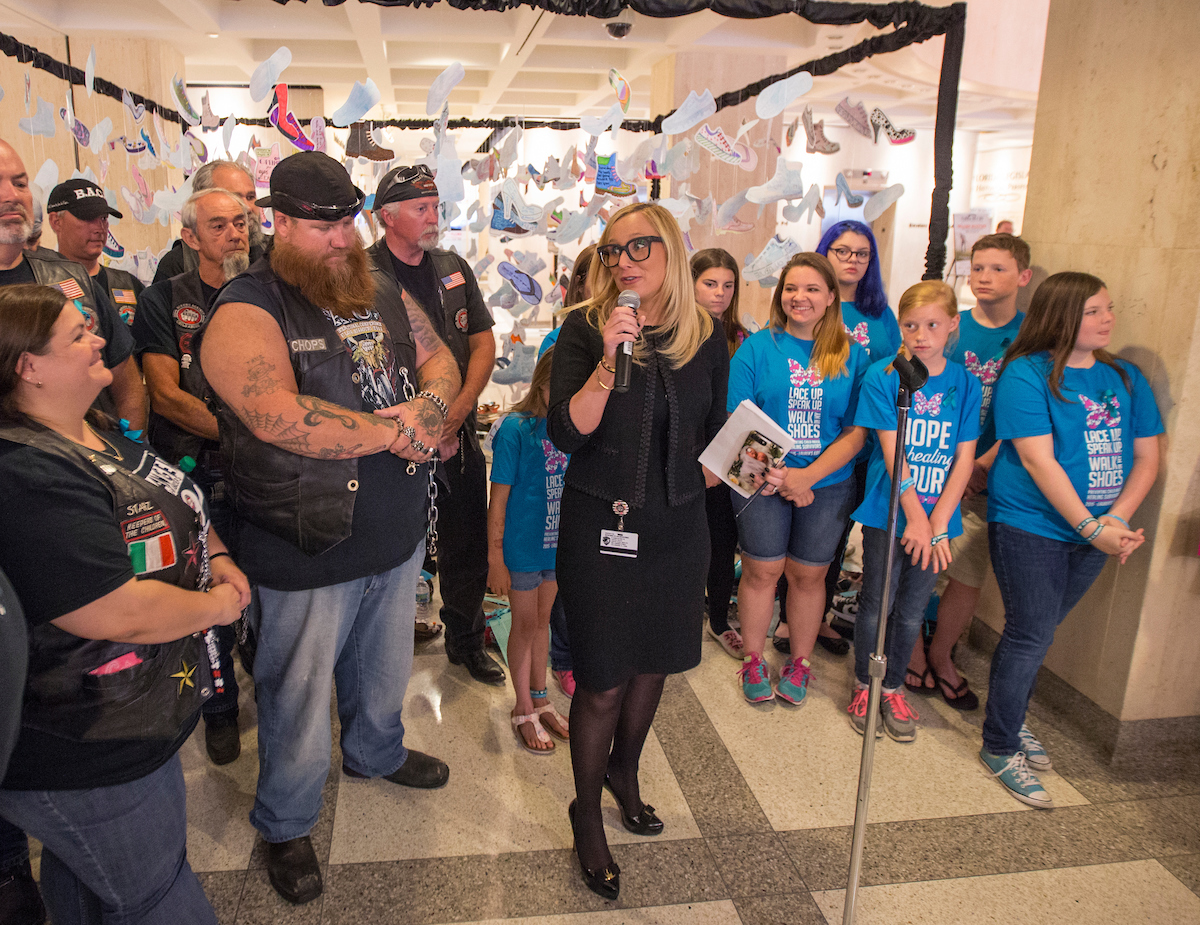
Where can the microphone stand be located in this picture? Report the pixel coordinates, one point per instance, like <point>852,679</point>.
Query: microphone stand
<point>913,375</point>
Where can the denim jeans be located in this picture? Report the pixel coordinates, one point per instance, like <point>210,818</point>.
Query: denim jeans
<point>560,644</point>
<point>116,855</point>
<point>908,591</point>
<point>1040,581</point>
<point>359,633</point>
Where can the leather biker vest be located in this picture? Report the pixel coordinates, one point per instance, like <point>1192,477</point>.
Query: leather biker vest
<point>122,293</point>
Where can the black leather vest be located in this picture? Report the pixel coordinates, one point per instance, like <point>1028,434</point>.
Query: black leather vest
<point>50,269</point>
<point>122,292</point>
<point>188,313</point>
<point>163,520</point>
<point>310,502</point>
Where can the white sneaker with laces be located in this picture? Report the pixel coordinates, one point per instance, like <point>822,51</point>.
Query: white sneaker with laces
<point>730,640</point>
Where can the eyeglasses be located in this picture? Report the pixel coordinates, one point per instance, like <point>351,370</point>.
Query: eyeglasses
<point>638,250</point>
<point>844,254</point>
<point>313,210</point>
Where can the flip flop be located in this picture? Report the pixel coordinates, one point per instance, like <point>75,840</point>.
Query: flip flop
<point>527,287</point>
<point>963,697</point>
<point>921,688</point>
<point>532,718</point>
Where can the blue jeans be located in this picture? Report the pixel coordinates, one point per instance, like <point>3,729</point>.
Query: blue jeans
<point>908,591</point>
<point>114,855</point>
<point>1040,581</point>
<point>361,634</point>
<point>560,645</point>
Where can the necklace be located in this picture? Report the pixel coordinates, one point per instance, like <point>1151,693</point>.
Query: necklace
<point>110,449</point>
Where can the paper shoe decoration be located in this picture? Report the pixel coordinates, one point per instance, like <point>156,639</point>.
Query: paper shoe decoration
<point>599,125</point>
<point>694,110</point>
<point>785,184</point>
<point>75,127</point>
<point>716,143</point>
<point>100,132</point>
<point>89,72</point>
<point>621,87</point>
<point>183,105</point>
<point>607,179</point>
<point>776,98</point>
<point>882,201</point>
<point>726,220</point>
<point>280,115</point>
<point>362,97</point>
<point>771,259</point>
<point>138,111</point>
<point>526,286</point>
<point>42,121</point>
<point>439,90</point>
<point>266,75</point>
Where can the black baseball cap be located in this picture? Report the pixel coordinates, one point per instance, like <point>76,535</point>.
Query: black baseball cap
<point>82,198</point>
<point>403,183</point>
<point>312,185</point>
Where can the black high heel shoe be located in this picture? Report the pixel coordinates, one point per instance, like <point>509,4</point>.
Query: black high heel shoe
<point>644,823</point>
<point>606,882</point>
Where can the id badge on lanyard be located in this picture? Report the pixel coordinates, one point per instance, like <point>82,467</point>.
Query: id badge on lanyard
<point>618,542</point>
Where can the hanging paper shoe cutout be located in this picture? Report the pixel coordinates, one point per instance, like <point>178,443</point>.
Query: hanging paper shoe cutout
<point>715,142</point>
<point>505,297</point>
<point>46,178</point>
<point>89,72</point>
<point>482,265</point>
<point>633,167</point>
<point>449,181</point>
<point>791,130</point>
<point>75,127</point>
<point>183,105</point>
<point>500,225</point>
<point>771,259</point>
<point>785,184</point>
<point>843,189</point>
<point>597,126</point>
<point>199,148</point>
<point>112,248</point>
<point>779,95</point>
<point>855,116</point>
<point>439,90</point>
<point>360,101</point>
<point>607,179</point>
<point>100,132</point>
<point>812,202</point>
<point>209,121</point>
<point>621,87</point>
<point>528,261</point>
<point>507,154</point>
<point>138,111</point>
<point>130,147</point>
<point>749,159</point>
<point>42,122</point>
<point>316,132</point>
<point>694,110</point>
<point>682,209</point>
<point>281,116</point>
<point>897,136</point>
<point>526,286</point>
<point>567,226</point>
<point>514,206</point>
<point>745,127</point>
<point>482,221</point>
<point>882,201</point>
<point>817,143</point>
<point>361,144</point>
<point>520,370</point>
<point>726,221</point>
<point>266,76</point>
<point>702,207</point>
<point>227,128</point>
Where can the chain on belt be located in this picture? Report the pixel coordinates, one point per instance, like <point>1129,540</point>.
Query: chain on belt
<point>410,393</point>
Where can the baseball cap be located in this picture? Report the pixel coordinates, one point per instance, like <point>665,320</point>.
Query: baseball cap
<point>402,183</point>
<point>312,185</point>
<point>82,198</point>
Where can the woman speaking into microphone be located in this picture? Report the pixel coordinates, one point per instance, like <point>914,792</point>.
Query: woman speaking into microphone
<point>633,545</point>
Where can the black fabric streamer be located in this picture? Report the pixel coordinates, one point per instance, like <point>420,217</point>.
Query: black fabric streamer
<point>943,145</point>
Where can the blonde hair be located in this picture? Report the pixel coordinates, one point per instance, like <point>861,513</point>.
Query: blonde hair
<point>686,324</point>
<point>831,344</point>
<point>534,403</point>
<point>926,292</point>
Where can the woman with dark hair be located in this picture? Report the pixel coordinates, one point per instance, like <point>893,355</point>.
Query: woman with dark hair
<point>118,668</point>
<point>632,547</point>
<point>718,286</point>
<point>804,373</point>
<point>577,291</point>
<point>850,247</point>
<point>1079,451</point>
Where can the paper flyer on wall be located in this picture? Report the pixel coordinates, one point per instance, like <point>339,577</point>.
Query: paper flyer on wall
<point>743,449</point>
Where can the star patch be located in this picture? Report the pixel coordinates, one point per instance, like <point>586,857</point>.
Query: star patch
<point>184,676</point>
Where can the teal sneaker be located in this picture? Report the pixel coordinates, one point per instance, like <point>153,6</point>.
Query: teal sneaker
<point>1035,753</point>
<point>756,679</point>
<point>793,681</point>
<point>1013,772</point>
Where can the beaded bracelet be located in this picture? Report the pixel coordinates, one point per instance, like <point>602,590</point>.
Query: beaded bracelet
<point>1095,533</point>
<point>1083,523</point>
<point>1121,520</point>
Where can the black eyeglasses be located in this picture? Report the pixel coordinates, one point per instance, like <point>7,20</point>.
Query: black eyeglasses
<point>844,254</point>
<point>293,206</point>
<point>638,250</point>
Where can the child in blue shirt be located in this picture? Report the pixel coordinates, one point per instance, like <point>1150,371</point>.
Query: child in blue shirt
<point>1079,431</point>
<point>804,372</point>
<point>943,425</point>
<point>527,484</point>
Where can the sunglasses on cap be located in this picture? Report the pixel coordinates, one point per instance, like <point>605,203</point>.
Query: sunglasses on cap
<point>404,176</point>
<point>290,205</point>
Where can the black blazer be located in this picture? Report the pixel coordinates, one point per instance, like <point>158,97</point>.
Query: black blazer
<point>611,462</point>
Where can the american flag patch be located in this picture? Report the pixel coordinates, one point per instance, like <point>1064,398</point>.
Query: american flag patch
<point>70,289</point>
<point>454,280</point>
<point>124,297</point>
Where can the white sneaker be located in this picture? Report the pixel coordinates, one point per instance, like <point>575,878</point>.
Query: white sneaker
<point>730,640</point>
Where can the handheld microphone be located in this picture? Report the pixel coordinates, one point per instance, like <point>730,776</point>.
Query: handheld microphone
<point>629,299</point>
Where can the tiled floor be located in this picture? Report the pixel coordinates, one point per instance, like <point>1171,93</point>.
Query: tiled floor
<point>758,803</point>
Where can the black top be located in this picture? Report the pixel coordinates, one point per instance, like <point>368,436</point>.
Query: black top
<point>611,463</point>
<point>53,512</point>
<point>154,325</point>
<point>13,659</point>
<point>422,282</point>
<point>375,544</point>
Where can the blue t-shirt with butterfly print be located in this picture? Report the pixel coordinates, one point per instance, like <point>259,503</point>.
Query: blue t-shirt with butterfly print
<point>524,457</point>
<point>880,337</point>
<point>944,413</point>
<point>1093,429</point>
<point>772,370</point>
<point>981,350</point>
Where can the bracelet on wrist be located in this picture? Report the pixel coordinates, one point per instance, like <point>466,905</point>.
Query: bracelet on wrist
<point>217,555</point>
<point>607,388</point>
<point>1121,520</point>
<point>611,369</point>
<point>1083,525</point>
<point>907,484</point>
<point>937,539</point>
<point>1095,533</point>
<point>437,400</point>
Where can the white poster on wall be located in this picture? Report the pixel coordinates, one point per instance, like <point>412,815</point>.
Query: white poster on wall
<point>969,227</point>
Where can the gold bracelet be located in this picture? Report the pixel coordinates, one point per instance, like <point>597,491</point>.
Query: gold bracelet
<point>611,369</point>
<point>607,388</point>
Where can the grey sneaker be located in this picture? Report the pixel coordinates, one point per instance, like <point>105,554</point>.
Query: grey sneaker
<point>858,713</point>
<point>1035,753</point>
<point>1013,772</point>
<point>899,719</point>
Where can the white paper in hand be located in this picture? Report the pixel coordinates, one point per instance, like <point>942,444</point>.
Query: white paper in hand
<point>720,455</point>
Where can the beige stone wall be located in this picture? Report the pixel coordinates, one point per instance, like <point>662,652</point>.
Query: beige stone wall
<point>1114,190</point>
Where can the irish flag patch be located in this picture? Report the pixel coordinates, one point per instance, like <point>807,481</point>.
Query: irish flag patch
<point>152,554</point>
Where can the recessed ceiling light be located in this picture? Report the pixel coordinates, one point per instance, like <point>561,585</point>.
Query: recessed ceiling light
<point>214,35</point>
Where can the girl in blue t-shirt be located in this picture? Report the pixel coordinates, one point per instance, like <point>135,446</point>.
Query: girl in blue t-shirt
<point>851,249</point>
<point>1079,431</point>
<point>527,484</point>
<point>804,372</point>
<point>943,425</point>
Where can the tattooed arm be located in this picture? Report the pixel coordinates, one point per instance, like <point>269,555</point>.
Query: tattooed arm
<point>246,361</point>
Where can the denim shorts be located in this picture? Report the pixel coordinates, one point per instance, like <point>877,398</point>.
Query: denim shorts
<point>529,581</point>
<point>773,528</point>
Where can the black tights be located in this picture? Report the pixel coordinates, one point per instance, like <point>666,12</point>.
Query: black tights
<point>608,730</point>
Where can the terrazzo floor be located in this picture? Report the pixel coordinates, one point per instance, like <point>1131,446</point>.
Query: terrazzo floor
<point>758,804</point>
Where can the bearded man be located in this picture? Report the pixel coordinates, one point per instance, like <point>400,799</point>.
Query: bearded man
<point>327,448</point>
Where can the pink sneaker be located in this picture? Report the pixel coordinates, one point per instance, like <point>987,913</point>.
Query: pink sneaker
<point>566,680</point>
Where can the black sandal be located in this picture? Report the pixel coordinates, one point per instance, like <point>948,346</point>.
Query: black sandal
<point>921,688</point>
<point>963,697</point>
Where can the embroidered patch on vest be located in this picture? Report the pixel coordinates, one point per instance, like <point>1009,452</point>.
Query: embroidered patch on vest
<point>454,280</point>
<point>70,289</point>
<point>189,316</point>
<point>307,344</point>
<point>124,297</point>
<point>460,319</point>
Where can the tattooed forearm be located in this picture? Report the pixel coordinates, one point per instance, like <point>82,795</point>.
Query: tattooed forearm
<point>259,378</point>
<point>439,375</point>
<point>318,410</point>
<point>422,327</point>
<point>341,452</point>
